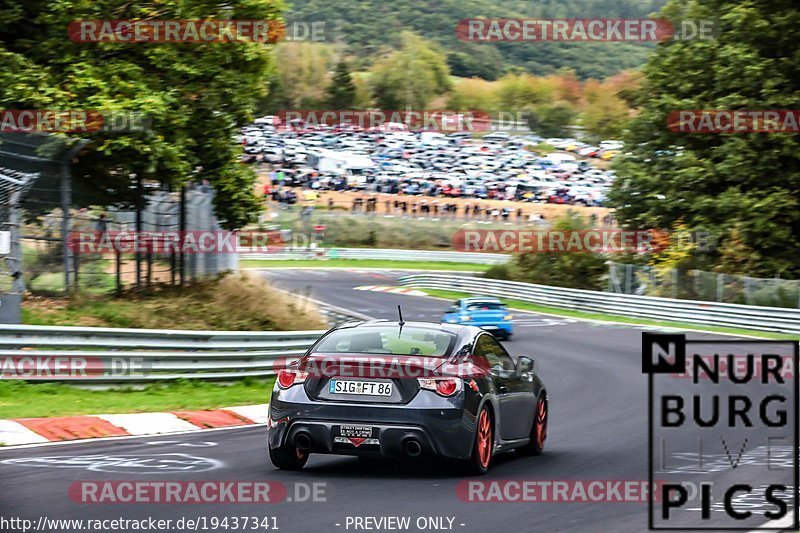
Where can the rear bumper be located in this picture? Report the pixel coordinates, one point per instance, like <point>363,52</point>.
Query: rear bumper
<point>446,432</point>
<point>502,327</point>
<point>386,440</point>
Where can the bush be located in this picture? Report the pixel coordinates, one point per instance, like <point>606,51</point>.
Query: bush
<point>503,271</point>
<point>578,270</point>
<point>775,296</point>
<point>230,303</point>
<point>574,270</point>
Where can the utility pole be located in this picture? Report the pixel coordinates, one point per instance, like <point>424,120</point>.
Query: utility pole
<point>66,201</point>
<point>136,240</point>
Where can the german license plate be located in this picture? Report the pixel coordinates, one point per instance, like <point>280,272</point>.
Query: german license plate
<point>368,388</point>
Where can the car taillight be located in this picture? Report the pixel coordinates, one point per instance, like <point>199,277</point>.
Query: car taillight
<point>441,386</point>
<point>287,378</point>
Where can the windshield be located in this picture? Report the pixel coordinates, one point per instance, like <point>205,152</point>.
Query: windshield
<point>485,306</point>
<point>388,340</point>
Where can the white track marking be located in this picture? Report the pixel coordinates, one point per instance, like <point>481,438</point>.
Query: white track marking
<point>13,433</point>
<point>391,289</point>
<point>257,413</point>
<point>149,423</point>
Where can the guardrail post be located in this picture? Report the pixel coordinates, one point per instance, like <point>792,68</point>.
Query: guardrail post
<point>675,279</point>
<point>118,261</point>
<point>182,235</point>
<point>628,275</point>
<point>149,264</point>
<point>76,266</point>
<point>139,207</point>
<point>66,200</point>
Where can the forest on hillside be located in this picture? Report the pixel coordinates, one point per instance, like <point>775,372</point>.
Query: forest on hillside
<point>371,27</point>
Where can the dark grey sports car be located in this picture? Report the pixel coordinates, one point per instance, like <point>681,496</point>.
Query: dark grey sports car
<point>395,389</point>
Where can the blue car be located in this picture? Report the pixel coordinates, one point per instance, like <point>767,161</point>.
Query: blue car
<point>489,314</point>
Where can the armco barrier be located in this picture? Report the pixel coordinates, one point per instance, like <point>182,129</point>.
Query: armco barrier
<point>117,356</point>
<point>379,253</point>
<point>120,356</point>
<point>689,311</point>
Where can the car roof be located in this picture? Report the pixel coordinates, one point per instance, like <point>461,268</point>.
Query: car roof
<point>491,299</point>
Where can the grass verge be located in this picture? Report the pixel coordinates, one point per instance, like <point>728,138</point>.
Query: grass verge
<point>361,263</point>
<point>526,306</point>
<point>19,399</point>
<point>230,303</point>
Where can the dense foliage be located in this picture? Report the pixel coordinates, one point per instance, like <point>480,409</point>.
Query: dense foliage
<point>411,76</point>
<point>579,270</point>
<point>370,27</point>
<point>744,188</point>
<point>195,95</point>
<point>342,90</point>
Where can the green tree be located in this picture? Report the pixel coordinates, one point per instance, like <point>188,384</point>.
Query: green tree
<point>342,90</point>
<point>302,71</point>
<point>518,91</point>
<point>719,182</point>
<point>736,257</point>
<point>551,120</point>
<point>473,94</point>
<point>477,61</point>
<point>605,114</point>
<point>195,95</point>
<point>364,36</point>
<point>411,76</point>
<point>583,270</point>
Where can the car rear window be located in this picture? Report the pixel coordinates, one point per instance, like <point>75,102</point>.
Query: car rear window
<point>426,342</point>
<point>486,306</point>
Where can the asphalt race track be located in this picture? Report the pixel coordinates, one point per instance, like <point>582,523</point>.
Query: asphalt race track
<point>598,431</point>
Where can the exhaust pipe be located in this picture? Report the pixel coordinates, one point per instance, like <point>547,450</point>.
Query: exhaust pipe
<point>302,441</point>
<point>412,447</point>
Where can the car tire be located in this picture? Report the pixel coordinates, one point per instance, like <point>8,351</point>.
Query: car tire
<point>483,444</point>
<point>288,457</point>
<point>507,337</point>
<point>538,434</point>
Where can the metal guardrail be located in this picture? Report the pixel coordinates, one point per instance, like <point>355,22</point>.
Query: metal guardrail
<point>773,319</point>
<point>120,356</point>
<point>379,253</point>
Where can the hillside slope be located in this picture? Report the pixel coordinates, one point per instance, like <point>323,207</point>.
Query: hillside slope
<point>370,27</point>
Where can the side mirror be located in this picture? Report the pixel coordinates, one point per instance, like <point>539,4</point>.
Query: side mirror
<point>525,366</point>
<point>452,309</point>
